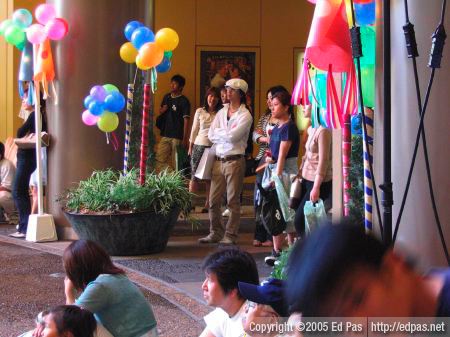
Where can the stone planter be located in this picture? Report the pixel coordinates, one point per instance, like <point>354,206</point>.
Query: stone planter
<point>126,234</point>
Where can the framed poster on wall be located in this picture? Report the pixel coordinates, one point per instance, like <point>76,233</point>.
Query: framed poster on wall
<point>218,65</point>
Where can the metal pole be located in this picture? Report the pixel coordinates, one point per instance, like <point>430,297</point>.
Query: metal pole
<point>386,187</point>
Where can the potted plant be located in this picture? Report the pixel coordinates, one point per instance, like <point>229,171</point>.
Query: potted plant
<point>123,216</point>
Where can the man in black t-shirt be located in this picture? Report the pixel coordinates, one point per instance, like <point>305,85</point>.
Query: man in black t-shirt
<point>173,123</point>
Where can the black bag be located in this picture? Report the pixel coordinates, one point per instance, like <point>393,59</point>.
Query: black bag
<point>271,215</point>
<point>250,167</point>
<point>161,121</point>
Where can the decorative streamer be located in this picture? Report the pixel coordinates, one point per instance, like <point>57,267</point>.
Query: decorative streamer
<point>368,183</point>
<point>130,93</point>
<point>334,112</point>
<point>154,79</point>
<point>144,136</point>
<point>301,89</point>
<point>346,155</point>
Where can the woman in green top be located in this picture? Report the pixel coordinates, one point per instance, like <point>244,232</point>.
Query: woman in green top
<point>105,291</point>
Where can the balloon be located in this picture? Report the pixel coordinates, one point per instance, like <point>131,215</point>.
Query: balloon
<point>365,14</point>
<point>141,36</point>
<point>368,42</point>
<point>363,1</point>
<point>108,122</point>
<point>140,64</point>
<point>45,13</point>
<point>87,101</point>
<point>98,93</point>
<point>368,85</point>
<point>22,17</point>
<point>96,108</point>
<point>150,55</point>
<point>56,29</point>
<point>167,39</point>
<point>14,35</point>
<point>88,118</point>
<point>168,54</point>
<point>21,45</point>
<point>130,28</point>
<point>4,25</point>
<point>313,1</point>
<point>114,102</point>
<point>110,88</point>
<point>36,33</point>
<point>164,66</point>
<point>128,53</point>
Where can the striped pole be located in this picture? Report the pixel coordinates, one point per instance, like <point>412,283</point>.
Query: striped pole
<point>130,94</point>
<point>346,154</point>
<point>144,136</point>
<point>368,183</point>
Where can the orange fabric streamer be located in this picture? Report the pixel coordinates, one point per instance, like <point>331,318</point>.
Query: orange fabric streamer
<point>44,69</point>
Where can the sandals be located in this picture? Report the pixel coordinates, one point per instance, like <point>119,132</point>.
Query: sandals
<point>267,243</point>
<point>257,243</point>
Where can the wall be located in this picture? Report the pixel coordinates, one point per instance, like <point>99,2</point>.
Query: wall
<point>256,24</point>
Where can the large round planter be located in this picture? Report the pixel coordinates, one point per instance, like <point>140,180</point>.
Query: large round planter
<point>126,234</point>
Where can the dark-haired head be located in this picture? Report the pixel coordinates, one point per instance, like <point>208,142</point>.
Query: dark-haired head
<point>231,266</point>
<point>2,151</point>
<point>284,97</point>
<point>319,264</point>
<point>269,95</point>
<point>179,79</point>
<point>73,321</point>
<point>85,260</point>
<point>216,93</point>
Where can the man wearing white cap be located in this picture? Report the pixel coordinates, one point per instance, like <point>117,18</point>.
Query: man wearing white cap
<point>229,133</point>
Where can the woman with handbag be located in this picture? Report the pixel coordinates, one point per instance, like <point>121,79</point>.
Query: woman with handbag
<point>199,140</point>
<point>261,136</point>
<point>316,170</point>
<point>282,163</point>
<point>26,164</point>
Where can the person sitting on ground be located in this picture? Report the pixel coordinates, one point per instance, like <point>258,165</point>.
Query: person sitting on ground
<point>7,172</point>
<point>341,271</point>
<point>64,321</point>
<point>224,269</point>
<point>106,291</point>
<point>265,305</point>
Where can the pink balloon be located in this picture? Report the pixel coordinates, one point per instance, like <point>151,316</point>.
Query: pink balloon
<point>45,13</point>
<point>36,33</point>
<point>55,29</point>
<point>312,1</point>
<point>88,118</point>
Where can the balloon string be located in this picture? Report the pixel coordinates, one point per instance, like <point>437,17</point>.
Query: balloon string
<point>55,95</point>
<point>153,79</point>
<point>107,137</point>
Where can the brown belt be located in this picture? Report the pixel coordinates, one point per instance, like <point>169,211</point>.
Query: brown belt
<point>230,158</point>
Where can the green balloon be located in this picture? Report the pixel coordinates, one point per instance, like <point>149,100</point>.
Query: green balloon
<point>21,45</point>
<point>368,41</point>
<point>110,88</point>
<point>368,85</point>
<point>168,54</point>
<point>14,34</point>
<point>4,25</point>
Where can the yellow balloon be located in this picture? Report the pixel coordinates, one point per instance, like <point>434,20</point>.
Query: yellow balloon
<point>108,122</point>
<point>167,38</point>
<point>140,64</point>
<point>128,53</point>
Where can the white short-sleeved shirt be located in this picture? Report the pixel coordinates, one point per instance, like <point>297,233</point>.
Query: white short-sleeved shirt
<point>221,325</point>
<point>7,172</point>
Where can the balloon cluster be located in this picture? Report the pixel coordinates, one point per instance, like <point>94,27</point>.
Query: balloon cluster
<point>19,29</point>
<point>102,105</point>
<point>147,49</point>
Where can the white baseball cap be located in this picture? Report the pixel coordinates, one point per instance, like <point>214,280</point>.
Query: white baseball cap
<point>237,83</point>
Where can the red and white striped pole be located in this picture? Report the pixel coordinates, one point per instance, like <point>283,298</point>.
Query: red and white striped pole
<point>144,135</point>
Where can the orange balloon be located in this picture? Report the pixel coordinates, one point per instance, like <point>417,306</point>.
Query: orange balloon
<point>140,64</point>
<point>128,53</point>
<point>150,55</point>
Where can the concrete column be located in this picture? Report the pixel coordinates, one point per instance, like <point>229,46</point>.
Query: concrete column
<point>87,56</point>
<point>418,231</point>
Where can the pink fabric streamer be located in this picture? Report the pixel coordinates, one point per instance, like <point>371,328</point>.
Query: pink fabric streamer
<point>334,112</point>
<point>350,98</point>
<point>300,95</point>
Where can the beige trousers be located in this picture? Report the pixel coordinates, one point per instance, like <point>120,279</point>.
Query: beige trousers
<point>165,153</point>
<point>226,176</point>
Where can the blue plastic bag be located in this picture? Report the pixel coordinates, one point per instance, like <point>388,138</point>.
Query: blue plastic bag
<point>314,215</point>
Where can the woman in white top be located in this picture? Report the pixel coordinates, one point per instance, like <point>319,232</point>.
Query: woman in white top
<point>199,140</point>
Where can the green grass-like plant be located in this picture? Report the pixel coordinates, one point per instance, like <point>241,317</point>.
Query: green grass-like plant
<point>108,192</point>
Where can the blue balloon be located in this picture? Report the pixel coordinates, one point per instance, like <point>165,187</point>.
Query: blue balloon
<point>130,28</point>
<point>356,124</point>
<point>87,101</point>
<point>164,66</point>
<point>141,36</point>
<point>96,108</point>
<point>365,13</point>
<point>114,102</point>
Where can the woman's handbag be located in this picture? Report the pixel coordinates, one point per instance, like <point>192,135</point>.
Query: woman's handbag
<point>205,166</point>
<point>271,214</point>
<point>251,165</point>
<point>29,141</point>
<point>295,193</point>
